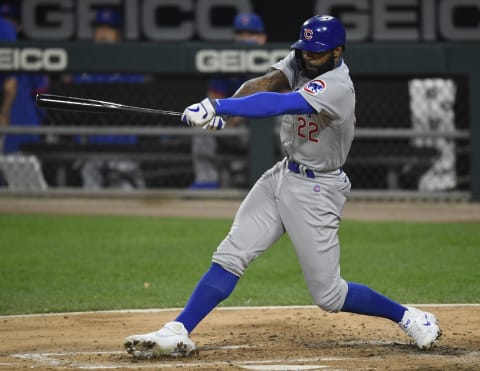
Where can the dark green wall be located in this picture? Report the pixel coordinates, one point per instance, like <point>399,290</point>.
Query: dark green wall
<point>368,59</point>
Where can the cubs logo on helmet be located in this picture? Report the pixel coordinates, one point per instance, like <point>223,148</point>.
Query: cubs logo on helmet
<point>320,33</point>
<point>308,33</point>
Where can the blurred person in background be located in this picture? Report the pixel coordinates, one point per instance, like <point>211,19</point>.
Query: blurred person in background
<point>24,111</point>
<point>8,81</point>
<point>119,173</point>
<point>8,84</point>
<point>248,29</point>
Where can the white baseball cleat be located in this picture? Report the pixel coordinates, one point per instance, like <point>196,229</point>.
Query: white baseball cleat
<point>421,326</point>
<point>171,340</point>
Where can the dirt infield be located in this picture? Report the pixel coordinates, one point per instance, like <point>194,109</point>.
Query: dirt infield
<point>303,338</point>
<point>406,211</point>
<point>299,338</point>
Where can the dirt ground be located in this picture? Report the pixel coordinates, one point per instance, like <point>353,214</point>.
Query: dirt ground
<point>287,338</point>
<point>354,210</point>
<point>303,338</point>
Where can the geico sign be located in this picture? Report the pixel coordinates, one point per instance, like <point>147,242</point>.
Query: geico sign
<point>406,20</point>
<point>154,20</point>
<point>170,20</point>
<point>255,61</point>
<point>33,59</point>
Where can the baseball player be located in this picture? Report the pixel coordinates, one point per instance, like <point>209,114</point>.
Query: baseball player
<point>302,195</point>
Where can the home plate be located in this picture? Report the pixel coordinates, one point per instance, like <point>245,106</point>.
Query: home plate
<point>281,367</point>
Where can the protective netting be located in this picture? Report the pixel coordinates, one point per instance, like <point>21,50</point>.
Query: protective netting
<point>429,153</point>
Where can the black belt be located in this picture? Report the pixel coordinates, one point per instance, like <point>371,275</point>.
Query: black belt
<point>300,169</point>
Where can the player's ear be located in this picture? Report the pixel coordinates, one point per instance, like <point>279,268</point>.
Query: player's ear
<point>337,52</point>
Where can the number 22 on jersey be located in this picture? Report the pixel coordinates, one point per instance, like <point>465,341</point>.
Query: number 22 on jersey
<point>307,129</point>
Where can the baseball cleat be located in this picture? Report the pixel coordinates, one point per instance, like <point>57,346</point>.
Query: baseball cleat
<point>171,340</point>
<point>421,326</point>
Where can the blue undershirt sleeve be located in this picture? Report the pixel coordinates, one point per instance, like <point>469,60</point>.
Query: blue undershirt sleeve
<point>264,104</point>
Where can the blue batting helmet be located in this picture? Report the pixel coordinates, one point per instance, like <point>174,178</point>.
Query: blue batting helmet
<point>320,33</point>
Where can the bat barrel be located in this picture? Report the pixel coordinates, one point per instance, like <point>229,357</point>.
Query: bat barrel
<point>59,102</point>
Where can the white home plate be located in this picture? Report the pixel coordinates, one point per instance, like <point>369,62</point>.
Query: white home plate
<point>281,367</point>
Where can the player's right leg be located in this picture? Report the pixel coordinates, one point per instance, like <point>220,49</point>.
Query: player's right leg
<point>172,340</point>
<point>256,227</point>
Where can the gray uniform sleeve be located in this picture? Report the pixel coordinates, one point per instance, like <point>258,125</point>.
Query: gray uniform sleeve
<point>326,93</point>
<point>288,66</point>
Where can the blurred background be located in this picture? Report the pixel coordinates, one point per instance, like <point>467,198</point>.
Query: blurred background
<point>414,64</point>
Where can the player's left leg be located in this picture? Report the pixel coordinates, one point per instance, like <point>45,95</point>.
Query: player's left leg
<point>421,326</point>
<point>318,205</point>
<point>361,299</point>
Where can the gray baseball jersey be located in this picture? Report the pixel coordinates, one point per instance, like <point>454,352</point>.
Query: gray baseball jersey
<point>320,141</point>
<point>309,207</point>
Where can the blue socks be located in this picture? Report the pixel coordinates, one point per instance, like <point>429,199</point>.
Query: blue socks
<point>215,285</point>
<point>363,300</point>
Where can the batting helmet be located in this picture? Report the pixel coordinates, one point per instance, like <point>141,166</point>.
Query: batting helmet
<point>320,33</point>
<point>249,22</point>
<point>108,17</point>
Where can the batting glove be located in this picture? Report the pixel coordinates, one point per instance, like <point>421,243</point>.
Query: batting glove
<point>216,123</point>
<point>199,114</point>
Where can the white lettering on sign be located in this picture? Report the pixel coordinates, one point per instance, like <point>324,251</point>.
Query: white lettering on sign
<point>405,20</point>
<point>181,20</point>
<point>33,59</point>
<point>235,61</point>
<point>157,20</point>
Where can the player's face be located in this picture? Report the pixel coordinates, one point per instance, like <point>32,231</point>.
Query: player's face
<point>317,63</point>
<point>247,37</point>
<point>106,34</point>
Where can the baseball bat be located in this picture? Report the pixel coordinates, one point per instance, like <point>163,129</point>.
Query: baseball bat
<point>60,102</point>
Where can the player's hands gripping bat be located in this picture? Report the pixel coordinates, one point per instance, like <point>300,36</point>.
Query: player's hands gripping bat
<point>203,115</point>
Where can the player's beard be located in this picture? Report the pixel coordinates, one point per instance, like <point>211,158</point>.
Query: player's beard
<point>317,70</point>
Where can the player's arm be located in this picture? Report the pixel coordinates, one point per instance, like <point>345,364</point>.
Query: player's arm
<point>274,81</point>
<point>208,114</point>
<point>257,97</point>
<point>265,104</point>
<point>218,89</point>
